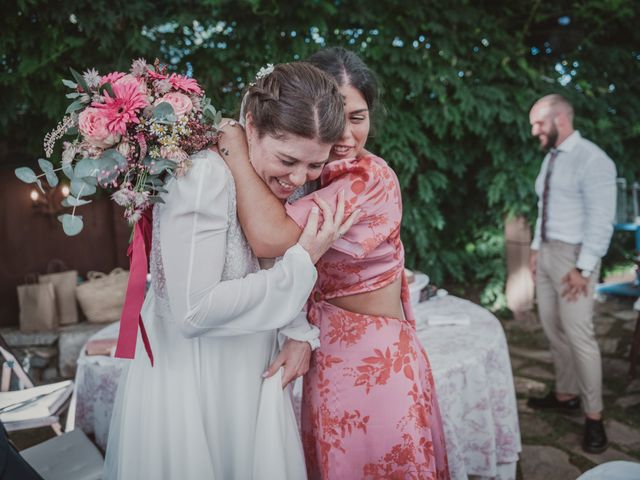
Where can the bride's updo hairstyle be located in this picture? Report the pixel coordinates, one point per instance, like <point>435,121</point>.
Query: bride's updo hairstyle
<point>296,99</point>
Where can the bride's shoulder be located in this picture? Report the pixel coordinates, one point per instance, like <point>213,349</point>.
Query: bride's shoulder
<point>208,162</point>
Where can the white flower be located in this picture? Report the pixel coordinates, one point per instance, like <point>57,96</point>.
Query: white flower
<point>92,77</point>
<point>122,197</point>
<point>141,198</point>
<point>135,216</point>
<point>162,86</point>
<point>264,71</point>
<point>124,148</point>
<point>69,152</point>
<point>139,67</point>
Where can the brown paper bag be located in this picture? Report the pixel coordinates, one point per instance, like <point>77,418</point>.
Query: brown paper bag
<point>64,284</point>
<point>37,306</point>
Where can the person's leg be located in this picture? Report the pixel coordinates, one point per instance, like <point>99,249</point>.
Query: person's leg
<point>577,321</point>
<point>548,292</point>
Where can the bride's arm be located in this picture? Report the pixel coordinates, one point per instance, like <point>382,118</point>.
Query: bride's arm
<point>193,231</point>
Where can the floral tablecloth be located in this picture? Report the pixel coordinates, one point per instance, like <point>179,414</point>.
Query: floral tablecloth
<point>472,371</point>
<point>471,368</point>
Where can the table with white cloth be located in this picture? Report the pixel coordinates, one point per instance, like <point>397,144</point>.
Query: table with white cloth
<point>471,367</point>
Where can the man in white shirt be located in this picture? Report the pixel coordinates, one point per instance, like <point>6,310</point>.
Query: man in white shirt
<point>576,190</point>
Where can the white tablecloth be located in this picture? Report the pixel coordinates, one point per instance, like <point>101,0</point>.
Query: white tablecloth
<point>473,378</point>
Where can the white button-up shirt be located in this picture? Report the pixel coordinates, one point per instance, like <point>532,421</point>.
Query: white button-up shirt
<point>582,199</point>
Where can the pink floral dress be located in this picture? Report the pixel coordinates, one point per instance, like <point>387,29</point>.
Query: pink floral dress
<point>369,408</point>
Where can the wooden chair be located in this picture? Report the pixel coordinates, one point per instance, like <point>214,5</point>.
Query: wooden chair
<point>28,406</point>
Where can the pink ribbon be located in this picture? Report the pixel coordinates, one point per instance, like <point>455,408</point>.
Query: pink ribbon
<point>138,252</point>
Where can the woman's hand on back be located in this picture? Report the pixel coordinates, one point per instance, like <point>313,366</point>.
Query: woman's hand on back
<point>232,142</point>
<point>317,242</point>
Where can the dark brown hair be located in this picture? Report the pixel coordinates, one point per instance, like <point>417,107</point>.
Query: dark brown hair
<point>348,69</point>
<point>299,99</point>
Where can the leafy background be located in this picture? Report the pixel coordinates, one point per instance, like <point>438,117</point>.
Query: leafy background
<point>458,80</point>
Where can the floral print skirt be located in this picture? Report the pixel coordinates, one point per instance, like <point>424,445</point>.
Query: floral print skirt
<point>369,408</point>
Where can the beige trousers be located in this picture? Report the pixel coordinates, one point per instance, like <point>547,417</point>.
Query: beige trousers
<point>569,325</point>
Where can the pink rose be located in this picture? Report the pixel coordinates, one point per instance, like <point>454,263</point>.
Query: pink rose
<point>92,123</point>
<point>180,102</point>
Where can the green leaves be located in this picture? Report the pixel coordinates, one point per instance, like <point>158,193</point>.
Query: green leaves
<point>163,112</point>
<point>26,174</point>
<point>80,80</point>
<point>71,224</point>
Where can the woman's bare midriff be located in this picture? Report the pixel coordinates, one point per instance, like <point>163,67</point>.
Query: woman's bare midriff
<point>384,302</point>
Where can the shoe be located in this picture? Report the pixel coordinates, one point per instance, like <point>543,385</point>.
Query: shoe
<point>551,402</point>
<point>595,438</point>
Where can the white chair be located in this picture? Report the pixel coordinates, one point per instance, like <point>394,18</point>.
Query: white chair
<point>29,406</point>
<point>70,456</point>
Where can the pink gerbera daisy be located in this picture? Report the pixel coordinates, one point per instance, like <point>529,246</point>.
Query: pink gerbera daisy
<point>121,109</point>
<point>111,78</point>
<point>155,75</point>
<point>188,85</point>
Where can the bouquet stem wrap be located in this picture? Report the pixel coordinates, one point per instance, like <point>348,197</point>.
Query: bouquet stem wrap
<point>138,252</point>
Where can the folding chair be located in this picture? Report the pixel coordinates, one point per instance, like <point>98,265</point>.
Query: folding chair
<point>29,406</point>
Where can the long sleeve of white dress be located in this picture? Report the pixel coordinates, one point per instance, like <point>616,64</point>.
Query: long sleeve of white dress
<point>194,223</point>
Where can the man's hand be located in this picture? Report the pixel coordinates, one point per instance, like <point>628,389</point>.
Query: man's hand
<point>294,357</point>
<point>574,285</point>
<point>533,264</point>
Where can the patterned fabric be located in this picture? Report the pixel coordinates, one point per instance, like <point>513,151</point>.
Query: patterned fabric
<point>369,407</point>
<point>545,195</point>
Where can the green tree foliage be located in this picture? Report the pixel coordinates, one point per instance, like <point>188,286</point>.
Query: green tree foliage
<point>458,80</point>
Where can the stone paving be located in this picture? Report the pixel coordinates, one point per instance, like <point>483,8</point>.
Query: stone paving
<point>551,441</point>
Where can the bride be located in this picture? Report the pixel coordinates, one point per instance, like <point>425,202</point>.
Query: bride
<point>205,410</point>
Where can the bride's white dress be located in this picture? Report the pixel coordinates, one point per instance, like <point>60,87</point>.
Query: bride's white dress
<point>204,411</point>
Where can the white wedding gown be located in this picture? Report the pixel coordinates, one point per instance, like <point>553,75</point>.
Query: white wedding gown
<point>204,411</point>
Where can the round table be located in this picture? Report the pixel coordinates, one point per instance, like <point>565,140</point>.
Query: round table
<point>471,367</point>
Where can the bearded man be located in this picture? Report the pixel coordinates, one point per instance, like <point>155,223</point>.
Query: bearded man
<point>576,190</point>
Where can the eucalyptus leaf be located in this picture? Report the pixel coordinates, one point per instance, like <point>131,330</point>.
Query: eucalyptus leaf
<point>164,112</point>
<point>77,105</point>
<point>80,79</point>
<point>45,165</point>
<point>69,83</point>
<point>72,131</point>
<point>114,155</point>
<point>91,181</point>
<point>26,175</point>
<point>52,178</point>
<point>155,199</point>
<point>39,184</point>
<point>76,202</point>
<point>79,187</point>
<point>71,224</point>
<point>67,169</point>
<point>73,95</point>
<point>106,87</point>
<point>87,167</point>
<point>158,166</point>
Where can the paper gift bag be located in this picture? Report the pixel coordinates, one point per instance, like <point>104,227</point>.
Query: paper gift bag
<point>64,283</point>
<point>37,306</point>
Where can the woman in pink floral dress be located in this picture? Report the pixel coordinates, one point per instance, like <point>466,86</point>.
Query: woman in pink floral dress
<point>369,405</point>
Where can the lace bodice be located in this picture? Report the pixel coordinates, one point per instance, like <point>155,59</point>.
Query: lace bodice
<point>239,258</point>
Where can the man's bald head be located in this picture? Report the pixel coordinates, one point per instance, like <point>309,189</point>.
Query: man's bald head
<point>551,119</point>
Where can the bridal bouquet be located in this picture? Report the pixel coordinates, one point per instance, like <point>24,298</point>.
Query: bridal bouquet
<point>129,133</point>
